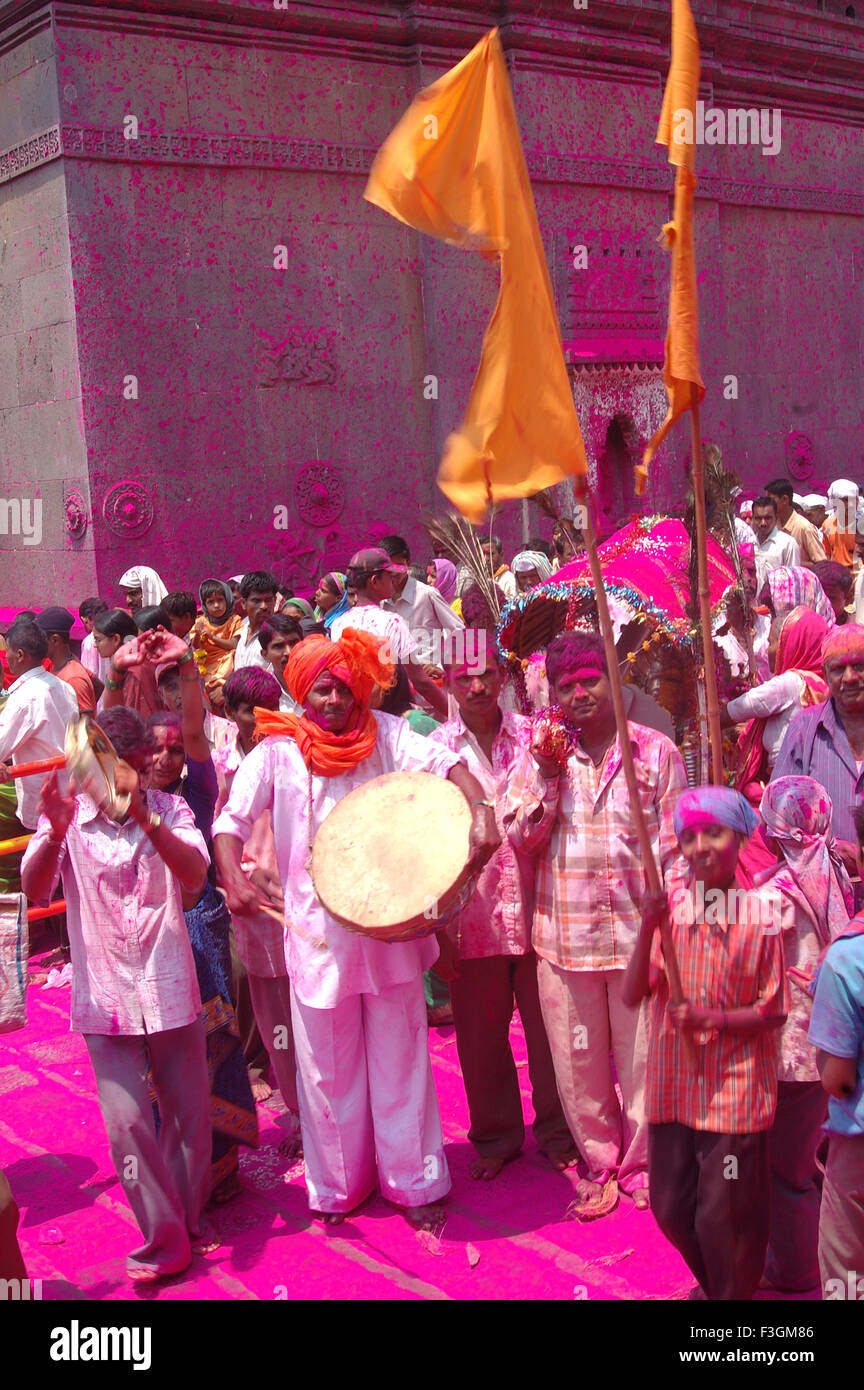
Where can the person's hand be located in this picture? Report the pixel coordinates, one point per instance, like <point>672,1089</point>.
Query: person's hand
<point>5,772</point>
<point>654,907</point>
<point>128,654</point>
<point>445,965</point>
<point>484,838</point>
<point>161,646</point>
<point>241,895</point>
<point>270,885</point>
<point>127,783</point>
<point>686,1015</point>
<point>58,806</point>
<point>550,768</point>
<point>435,673</point>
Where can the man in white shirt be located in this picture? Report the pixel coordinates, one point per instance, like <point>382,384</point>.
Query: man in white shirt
<point>774,548</point>
<point>794,524</point>
<point>428,616</point>
<point>36,714</point>
<point>258,592</point>
<point>501,572</point>
<point>370,574</point>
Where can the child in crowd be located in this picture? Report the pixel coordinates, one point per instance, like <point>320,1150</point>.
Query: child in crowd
<point>183,610</point>
<point>710,1104</point>
<point>215,636</point>
<point>837,1029</point>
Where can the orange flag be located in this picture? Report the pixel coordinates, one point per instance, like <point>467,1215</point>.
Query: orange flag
<point>454,168</point>
<point>677,127</point>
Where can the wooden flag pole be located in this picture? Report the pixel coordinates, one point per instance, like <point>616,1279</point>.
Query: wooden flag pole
<point>649,864</point>
<point>711,698</point>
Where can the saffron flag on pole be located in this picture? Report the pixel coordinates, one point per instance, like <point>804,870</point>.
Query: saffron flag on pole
<point>454,167</point>
<point>676,130</point>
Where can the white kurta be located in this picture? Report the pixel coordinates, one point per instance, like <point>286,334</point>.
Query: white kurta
<point>367,1099</point>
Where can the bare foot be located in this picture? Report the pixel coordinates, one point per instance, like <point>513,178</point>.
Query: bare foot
<point>206,1245</point>
<point>144,1276</point>
<point>292,1147</point>
<point>591,1199</point>
<point>328,1218</point>
<point>562,1161</point>
<point>428,1218</point>
<point>261,1090</point>
<point>641,1198</point>
<point>485,1169</point>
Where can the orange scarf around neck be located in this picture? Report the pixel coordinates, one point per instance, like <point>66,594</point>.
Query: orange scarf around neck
<point>324,753</point>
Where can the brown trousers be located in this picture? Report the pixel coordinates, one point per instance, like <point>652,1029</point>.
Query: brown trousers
<point>710,1196</point>
<point>482,999</point>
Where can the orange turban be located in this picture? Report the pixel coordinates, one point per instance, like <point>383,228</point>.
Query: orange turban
<point>355,660</point>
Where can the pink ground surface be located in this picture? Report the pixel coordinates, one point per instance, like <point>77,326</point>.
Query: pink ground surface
<point>508,1239</point>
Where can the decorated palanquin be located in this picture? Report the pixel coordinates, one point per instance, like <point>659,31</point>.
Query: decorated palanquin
<point>647,582</point>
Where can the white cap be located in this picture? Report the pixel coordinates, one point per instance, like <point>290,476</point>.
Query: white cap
<point>745,507</point>
<point>814,499</point>
<point>842,487</point>
<point>798,500</point>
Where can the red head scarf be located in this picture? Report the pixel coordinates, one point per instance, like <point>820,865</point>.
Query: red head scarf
<point>799,649</point>
<point>356,661</point>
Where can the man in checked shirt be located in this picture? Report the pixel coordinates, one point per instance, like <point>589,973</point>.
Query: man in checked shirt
<point>579,821</point>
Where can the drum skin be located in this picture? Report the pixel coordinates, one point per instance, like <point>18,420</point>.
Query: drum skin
<point>391,858</point>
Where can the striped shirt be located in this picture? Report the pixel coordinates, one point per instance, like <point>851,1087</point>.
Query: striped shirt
<point>590,880</point>
<point>497,918</point>
<point>723,965</point>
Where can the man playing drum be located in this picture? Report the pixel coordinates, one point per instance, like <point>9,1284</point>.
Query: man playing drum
<point>368,1109</point>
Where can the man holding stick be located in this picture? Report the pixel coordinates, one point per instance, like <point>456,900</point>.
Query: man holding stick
<point>580,819</point>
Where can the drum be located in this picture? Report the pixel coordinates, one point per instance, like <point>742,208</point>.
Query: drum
<point>391,859</point>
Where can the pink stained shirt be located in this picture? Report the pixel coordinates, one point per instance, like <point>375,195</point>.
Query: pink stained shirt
<point>497,918</point>
<point>326,962</point>
<point>132,965</point>
<point>258,938</point>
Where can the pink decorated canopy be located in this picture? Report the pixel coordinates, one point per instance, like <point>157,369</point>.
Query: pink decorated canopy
<point>645,575</point>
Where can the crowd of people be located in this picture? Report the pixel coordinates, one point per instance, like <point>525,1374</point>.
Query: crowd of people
<point>697,1051</point>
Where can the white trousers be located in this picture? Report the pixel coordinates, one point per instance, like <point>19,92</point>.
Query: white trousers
<point>586,1021</point>
<point>368,1109</point>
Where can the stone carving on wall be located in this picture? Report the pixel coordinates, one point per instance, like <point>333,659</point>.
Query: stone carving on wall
<point>128,509</point>
<point>260,152</point>
<point>799,456</point>
<point>319,494</point>
<point>303,357</point>
<point>75,517</point>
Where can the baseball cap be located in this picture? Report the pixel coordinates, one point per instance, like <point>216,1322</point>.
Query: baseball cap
<point>374,559</point>
<point>55,619</point>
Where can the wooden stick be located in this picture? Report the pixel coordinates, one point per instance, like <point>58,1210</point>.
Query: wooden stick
<point>652,874</point>
<point>711,697</point>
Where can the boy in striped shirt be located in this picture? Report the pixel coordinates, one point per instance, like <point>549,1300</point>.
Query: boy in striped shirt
<point>709,1114</point>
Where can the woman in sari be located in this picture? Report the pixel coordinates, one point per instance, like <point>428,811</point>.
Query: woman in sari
<point>441,575</point>
<point>331,599</point>
<point>813,900</point>
<point>790,587</point>
<point>795,656</point>
<point>181,742</point>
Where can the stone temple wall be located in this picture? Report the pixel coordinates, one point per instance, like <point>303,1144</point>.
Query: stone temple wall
<point>169,375</point>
